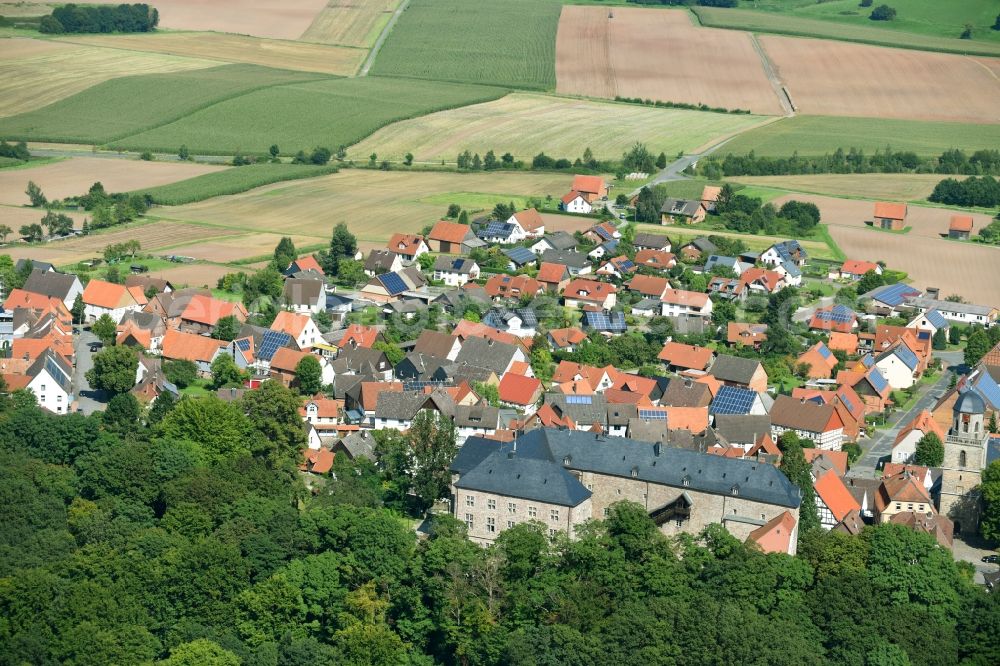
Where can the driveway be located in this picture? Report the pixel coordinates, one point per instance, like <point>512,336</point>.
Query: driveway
<point>971,549</point>
<point>87,399</point>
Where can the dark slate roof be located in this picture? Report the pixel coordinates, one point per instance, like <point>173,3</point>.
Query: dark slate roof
<point>300,291</point>
<point>460,265</point>
<point>379,260</point>
<point>508,474</point>
<point>647,240</point>
<point>48,283</point>
<point>455,297</point>
<point>686,393</point>
<point>487,354</point>
<point>35,265</point>
<point>685,207</point>
<point>359,444</point>
<point>404,405</point>
<point>477,416</point>
<point>560,240</point>
<point>742,428</point>
<point>623,457</point>
<point>566,258</point>
<point>583,409</point>
<point>734,368</point>
<point>703,244</point>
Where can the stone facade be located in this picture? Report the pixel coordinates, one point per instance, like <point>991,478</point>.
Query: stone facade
<point>961,471</point>
<point>486,515</point>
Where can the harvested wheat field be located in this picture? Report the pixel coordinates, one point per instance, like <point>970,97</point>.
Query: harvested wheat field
<point>374,204</point>
<point>844,79</point>
<point>888,186</point>
<point>282,19</point>
<point>35,73</point>
<point>923,221</point>
<point>74,176</point>
<point>193,275</point>
<point>659,54</point>
<point>967,269</point>
<point>236,248</point>
<point>153,236</point>
<point>280,54</point>
<point>570,223</point>
<point>350,22</point>
<point>525,124</point>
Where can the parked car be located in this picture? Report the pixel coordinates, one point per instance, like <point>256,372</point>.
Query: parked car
<point>991,559</point>
<point>94,346</point>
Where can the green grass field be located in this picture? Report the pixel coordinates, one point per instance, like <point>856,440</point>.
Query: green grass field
<point>819,135</point>
<point>232,181</point>
<point>330,113</point>
<point>128,105</point>
<point>510,43</point>
<point>932,25</point>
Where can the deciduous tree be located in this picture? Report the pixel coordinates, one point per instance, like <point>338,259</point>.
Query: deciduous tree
<point>114,369</point>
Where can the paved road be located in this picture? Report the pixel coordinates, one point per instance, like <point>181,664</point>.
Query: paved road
<point>673,171</point>
<point>370,60</point>
<point>881,446</point>
<point>87,399</point>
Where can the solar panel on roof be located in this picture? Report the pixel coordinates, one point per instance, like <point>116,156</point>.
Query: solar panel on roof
<point>271,342</point>
<point>627,265</point>
<point>520,255</point>
<point>498,230</point>
<point>868,361</point>
<point>393,283</point>
<point>894,294</point>
<point>877,380</point>
<point>603,233</point>
<point>907,356</point>
<point>823,351</point>
<point>579,400</point>
<point>988,389</point>
<point>604,322</point>
<point>936,319</point>
<point>733,400</point>
<point>243,344</point>
<point>652,414</point>
<point>844,398</point>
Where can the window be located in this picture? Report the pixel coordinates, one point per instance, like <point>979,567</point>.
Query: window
<point>606,511</point>
<point>554,515</point>
<point>552,532</point>
<point>511,507</point>
<point>470,500</point>
<point>899,506</point>
<point>909,507</point>
<point>679,522</point>
<point>510,524</point>
<point>491,525</point>
<point>491,504</point>
<point>532,512</point>
<point>961,455</point>
<point>468,521</point>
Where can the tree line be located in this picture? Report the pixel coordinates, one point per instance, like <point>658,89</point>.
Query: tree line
<point>688,3</point>
<point>984,191</point>
<point>853,160</point>
<point>73,18</point>
<point>183,534</point>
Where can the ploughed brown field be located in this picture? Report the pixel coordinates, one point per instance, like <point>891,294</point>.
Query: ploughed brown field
<point>660,55</point>
<point>966,269</point>
<point>74,176</point>
<point>923,221</point>
<point>843,79</point>
<point>234,248</point>
<point>570,223</point>
<point>193,275</point>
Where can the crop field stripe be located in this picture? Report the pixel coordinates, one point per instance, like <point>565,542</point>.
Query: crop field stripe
<point>508,43</point>
<point>99,102</point>
<point>795,26</point>
<point>231,181</point>
<point>297,116</point>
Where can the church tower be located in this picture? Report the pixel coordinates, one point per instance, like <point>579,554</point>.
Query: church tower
<point>964,460</point>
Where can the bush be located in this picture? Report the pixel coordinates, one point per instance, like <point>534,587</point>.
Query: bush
<point>883,13</point>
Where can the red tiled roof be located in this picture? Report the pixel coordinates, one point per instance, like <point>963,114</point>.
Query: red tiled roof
<point>206,310</point>
<point>682,297</point>
<point>190,347</point>
<point>837,458</point>
<point>831,489</point>
<point>775,536</point>
<point>551,273</point>
<point>308,263</point>
<point>363,336</point>
<point>855,267</point>
<point>286,360</point>
<point>370,391</point>
<point>449,232</point>
<point>767,278</point>
<point>530,220</point>
<point>407,244</point>
<point>589,184</point>
<point>846,342</point>
<point>596,291</point>
<point>565,337</point>
<point>572,194</point>
<point>317,461</point>
<point>512,285</point>
<point>655,258</point>
<point>106,295</point>
<point>469,329</point>
<point>686,356</point>
<point>892,211</point>
<point>694,419</point>
<point>290,322</point>
<point>924,423</point>
<point>519,390</point>
<point>902,487</point>
<point>745,333</point>
<point>648,285</point>
<point>960,223</point>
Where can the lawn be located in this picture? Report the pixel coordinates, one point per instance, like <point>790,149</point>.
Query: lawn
<point>931,25</point>
<point>819,135</point>
<point>817,249</point>
<point>132,104</point>
<point>889,186</point>
<point>510,43</point>
<point>331,113</point>
<point>525,124</point>
<point>232,181</point>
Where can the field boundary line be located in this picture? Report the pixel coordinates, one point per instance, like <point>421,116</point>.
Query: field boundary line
<point>377,46</point>
<point>770,71</point>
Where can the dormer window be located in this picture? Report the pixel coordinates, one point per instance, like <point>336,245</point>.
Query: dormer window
<point>734,491</point>
<point>686,481</point>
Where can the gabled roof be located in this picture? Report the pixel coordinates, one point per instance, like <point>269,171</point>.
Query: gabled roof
<point>307,263</point>
<point>359,336</point>
<point>582,289</point>
<point>190,347</point>
<point>512,285</point>
<point>566,258</point>
<point>774,536</point>
<point>519,390</point>
<point>838,499</point>
<point>58,368</point>
<point>923,423</point>
<point>566,337</point>
<point>206,310</point>
<point>533,479</point>
<point>648,285</point>
<point>529,219</point>
<point>682,207</point>
<point>495,356</point>
<point>655,258</point>
<point>792,414</point>
<point>450,232</point>
<point>893,211</point>
<point>651,241</point>
<point>435,343</point>
<point>686,356</point>
<point>692,299</point>
<point>734,369</point>
<point>903,487</point>
<point>107,295</point>
<point>286,360</point>
<point>291,323</point>
<point>460,265</point>
<point>961,223</point>
<point>550,273</point>
<point>405,244</point>
<point>588,184</point>
<point>855,267</point>
<point>50,283</point>
<point>303,291</point>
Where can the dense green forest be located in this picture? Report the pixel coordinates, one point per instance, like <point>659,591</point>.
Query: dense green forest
<point>185,535</point>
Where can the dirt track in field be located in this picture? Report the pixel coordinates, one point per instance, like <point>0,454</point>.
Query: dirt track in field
<point>74,176</point>
<point>661,55</point>
<point>844,79</point>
